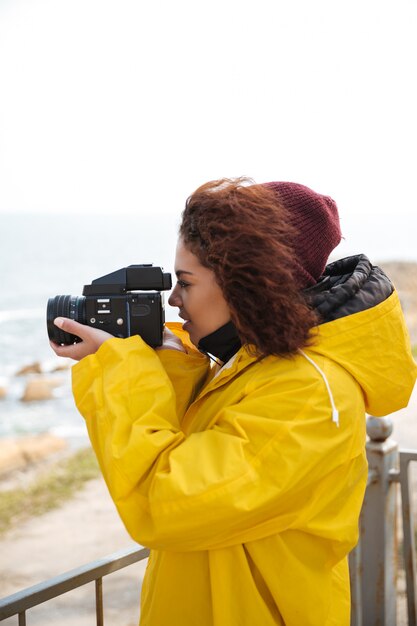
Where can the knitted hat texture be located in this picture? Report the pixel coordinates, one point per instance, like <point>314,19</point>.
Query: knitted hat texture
<point>316,223</point>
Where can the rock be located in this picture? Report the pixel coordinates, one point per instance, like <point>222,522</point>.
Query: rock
<point>32,368</point>
<point>63,365</point>
<point>37,447</point>
<point>11,456</point>
<point>52,381</point>
<point>19,453</point>
<point>37,389</point>
<point>40,388</point>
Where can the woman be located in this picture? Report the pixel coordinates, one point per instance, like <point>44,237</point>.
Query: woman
<point>244,471</point>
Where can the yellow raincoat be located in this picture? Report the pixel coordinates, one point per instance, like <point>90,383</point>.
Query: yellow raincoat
<point>247,483</point>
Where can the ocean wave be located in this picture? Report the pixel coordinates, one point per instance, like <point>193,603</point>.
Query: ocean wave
<point>21,314</point>
<point>66,431</point>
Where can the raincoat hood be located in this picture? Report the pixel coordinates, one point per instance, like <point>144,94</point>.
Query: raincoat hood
<point>363,329</point>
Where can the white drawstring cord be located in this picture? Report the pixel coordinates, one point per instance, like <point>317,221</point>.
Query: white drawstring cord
<point>335,412</point>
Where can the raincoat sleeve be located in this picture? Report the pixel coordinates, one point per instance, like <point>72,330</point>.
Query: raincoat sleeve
<point>187,370</point>
<point>272,461</point>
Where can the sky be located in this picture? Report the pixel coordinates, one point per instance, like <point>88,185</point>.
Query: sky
<point>112,107</point>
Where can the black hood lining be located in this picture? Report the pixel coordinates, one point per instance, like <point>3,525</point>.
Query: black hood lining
<point>348,286</point>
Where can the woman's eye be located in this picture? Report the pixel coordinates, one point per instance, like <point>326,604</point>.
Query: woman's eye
<point>182,284</point>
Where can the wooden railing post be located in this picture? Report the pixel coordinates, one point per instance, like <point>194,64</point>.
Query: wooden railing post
<point>378,527</point>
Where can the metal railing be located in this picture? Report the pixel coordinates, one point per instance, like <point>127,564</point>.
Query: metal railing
<point>373,563</point>
<point>19,603</point>
<point>406,457</point>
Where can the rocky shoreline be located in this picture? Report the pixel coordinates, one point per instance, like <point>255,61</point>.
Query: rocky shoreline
<point>21,458</point>
<point>39,380</point>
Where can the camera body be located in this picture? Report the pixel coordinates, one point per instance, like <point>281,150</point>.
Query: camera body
<point>123,303</point>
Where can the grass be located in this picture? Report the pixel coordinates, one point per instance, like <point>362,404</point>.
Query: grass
<point>49,490</point>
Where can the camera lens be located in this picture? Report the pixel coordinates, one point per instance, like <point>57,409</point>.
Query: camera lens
<point>64,306</point>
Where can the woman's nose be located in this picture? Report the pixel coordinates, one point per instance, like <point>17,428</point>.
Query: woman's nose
<point>174,299</point>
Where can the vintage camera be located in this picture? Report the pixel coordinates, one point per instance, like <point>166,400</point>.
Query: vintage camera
<point>124,303</point>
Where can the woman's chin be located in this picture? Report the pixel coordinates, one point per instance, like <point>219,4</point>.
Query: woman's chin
<point>186,326</point>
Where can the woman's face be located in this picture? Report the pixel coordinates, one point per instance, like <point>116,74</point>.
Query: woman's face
<point>197,295</point>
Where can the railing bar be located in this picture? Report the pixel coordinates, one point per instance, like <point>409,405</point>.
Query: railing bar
<point>394,475</point>
<point>99,602</point>
<point>22,619</point>
<point>408,454</point>
<point>408,540</point>
<point>32,596</point>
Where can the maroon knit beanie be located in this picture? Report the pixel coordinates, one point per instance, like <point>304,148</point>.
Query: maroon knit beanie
<point>317,229</point>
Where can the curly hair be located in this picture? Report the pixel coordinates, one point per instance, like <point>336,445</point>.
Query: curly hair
<point>243,234</point>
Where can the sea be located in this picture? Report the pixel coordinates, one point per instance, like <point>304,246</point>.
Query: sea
<point>42,256</point>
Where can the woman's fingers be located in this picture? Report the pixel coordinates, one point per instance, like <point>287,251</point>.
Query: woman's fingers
<point>72,327</point>
<point>91,339</point>
<point>72,351</point>
<point>171,342</point>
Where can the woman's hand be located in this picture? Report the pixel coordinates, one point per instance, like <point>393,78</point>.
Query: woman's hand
<point>92,338</point>
<point>171,342</point>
